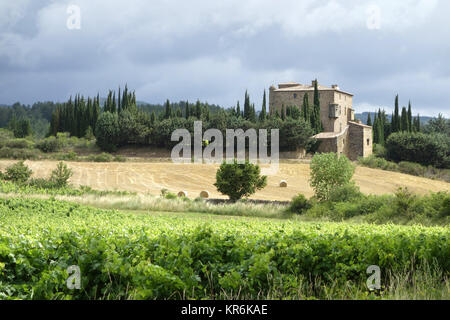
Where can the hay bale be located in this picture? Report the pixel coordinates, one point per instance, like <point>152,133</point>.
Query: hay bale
<point>204,194</point>
<point>182,194</point>
<point>283,184</point>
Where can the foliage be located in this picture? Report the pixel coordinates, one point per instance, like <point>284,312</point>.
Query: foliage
<point>61,175</point>
<point>50,144</point>
<point>426,149</point>
<point>328,171</point>
<point>238,180</point>
<point>18,172</point>
<point>299,204</point>
<point>130,256</point>
<point>107,131</point>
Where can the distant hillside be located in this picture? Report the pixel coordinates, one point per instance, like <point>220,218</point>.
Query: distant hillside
<point>363,117</point>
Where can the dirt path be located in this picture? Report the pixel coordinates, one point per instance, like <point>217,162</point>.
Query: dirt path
<point>152,177</point>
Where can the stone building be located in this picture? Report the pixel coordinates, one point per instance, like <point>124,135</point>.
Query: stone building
<point>342,133</point>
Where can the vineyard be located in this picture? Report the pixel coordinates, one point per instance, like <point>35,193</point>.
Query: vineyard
<point>135,255</point>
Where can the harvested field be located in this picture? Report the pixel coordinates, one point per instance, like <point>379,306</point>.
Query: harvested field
<point>152,177</point>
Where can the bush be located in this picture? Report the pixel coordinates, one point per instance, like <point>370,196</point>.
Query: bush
<point>18,172</point>
<point>41,183</point>
<point>19,144</point>
<point>61,175</point>
<point>102,157</point>
<point>346,193</point>
<point>379,150</point>
<point>19,154</point>
<point>66,156</point>
<point>237,180</point>
<point>426,149</point>
<point>50,144</point>
<point>299,204</point>
<point>328,171</point>
<point>412,168</point>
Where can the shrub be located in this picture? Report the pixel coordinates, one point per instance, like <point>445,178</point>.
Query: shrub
<point>299,204</point>
<point>379,150</point>
<point>18,172</point>
<point>67,156</point>
<point>19,144</point>
<point>19,154</point>
<point>41,183</point>
<point>61,175</point>
<point>237,180</point>
<point>328,171</point>
<point>50,144</point>
<point>412,168</point>
<point>346,193</point>
<point>426,149</point>
<point>102,157</point>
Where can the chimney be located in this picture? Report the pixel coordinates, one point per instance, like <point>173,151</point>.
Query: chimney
<point>335,86</point>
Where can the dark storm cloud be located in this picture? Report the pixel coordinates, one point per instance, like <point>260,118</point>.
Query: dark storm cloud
<point>216,50</point>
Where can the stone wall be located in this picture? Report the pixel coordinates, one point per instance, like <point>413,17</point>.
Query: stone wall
<point>326,97</point>
<point>360,138</point>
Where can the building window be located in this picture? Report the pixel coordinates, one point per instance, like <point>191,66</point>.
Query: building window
<point>295,96</point>
<point>368,141</point>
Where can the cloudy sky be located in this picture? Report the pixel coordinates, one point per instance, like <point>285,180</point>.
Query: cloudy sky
<point>215,50</point>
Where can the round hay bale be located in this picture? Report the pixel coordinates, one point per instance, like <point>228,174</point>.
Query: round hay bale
<point>283,184</point>
<point>182,194</point>
<point>204,194</point>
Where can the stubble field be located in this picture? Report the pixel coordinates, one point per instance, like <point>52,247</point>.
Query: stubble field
<point>151,177</point>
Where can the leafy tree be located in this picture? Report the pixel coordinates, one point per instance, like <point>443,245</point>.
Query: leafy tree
<point>108,131</point>
<point>426,149</point>
<point>237,180</point>
<point>328,171</point>
<point>61,175</point>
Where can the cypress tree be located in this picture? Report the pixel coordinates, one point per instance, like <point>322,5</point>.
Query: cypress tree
<point>152,117</point>
<point>283,113</point>
<point>305,108</point>
<point>168,112</point>
<point>317,123</point>
<point>187,110</point>
<point>262,115</point>
<point>238,110</point>
<point>119,107</point>
<point>396,117</point>
<point>369,120</point>
<point>404,120</point>
<point>198,110</point>
<point>409,117</point>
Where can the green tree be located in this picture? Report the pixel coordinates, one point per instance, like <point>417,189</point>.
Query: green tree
<point>108,132</point>
<point>369,120</point>
<point>409,117</point>
<point>404,120</point>
<point>262,115</point>
<point>329,171</point>
<point>61,175</point>
<point>237,180</point>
